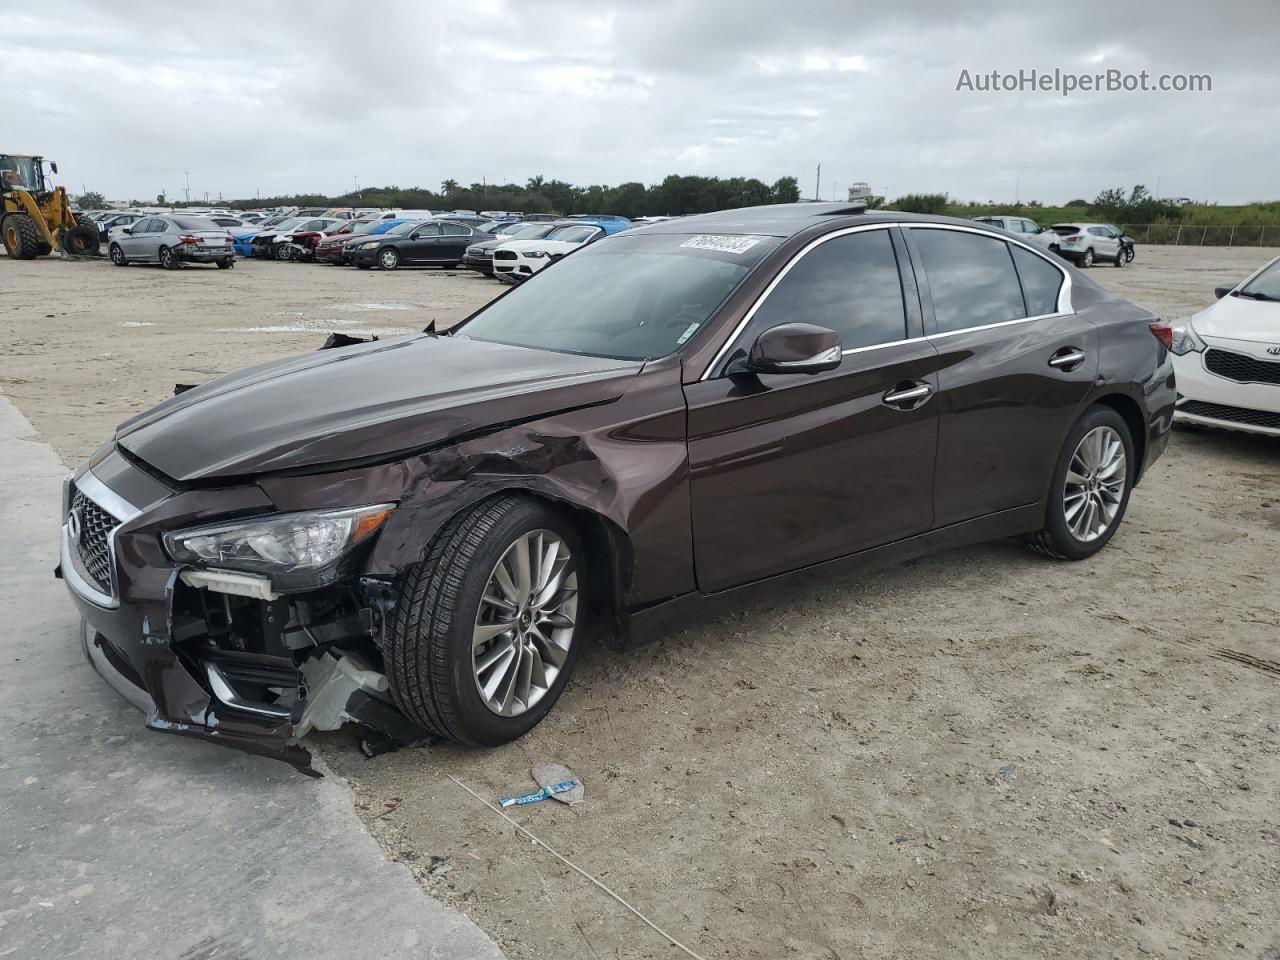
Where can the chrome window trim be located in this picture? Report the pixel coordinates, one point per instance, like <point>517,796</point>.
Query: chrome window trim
<point>123,511</point>
<point>1065,307</point>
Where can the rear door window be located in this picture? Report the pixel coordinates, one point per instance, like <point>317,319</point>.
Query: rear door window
<point>849,284</point>
<point>971,277</point>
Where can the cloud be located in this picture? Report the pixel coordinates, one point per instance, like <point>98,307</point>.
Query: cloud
<point>283,98</point>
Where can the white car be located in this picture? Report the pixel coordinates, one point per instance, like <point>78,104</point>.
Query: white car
<point>1226,358</point>
<point>520,259</point>
<point>1086,243</point>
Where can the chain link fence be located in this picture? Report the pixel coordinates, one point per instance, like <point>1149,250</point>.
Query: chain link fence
<point>1194,235</point>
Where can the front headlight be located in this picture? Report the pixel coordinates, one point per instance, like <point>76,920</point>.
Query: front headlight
<point>367,244</point>
<point>536,254</point>
<point>1185,339</point>
<point>285,543</point>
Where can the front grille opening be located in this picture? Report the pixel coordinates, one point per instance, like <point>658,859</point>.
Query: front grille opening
<point>1220,411</point>
<point>93,544</point>
<point>1241,367</point>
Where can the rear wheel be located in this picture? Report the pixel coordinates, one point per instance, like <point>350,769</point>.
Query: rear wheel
<point>1090,488</point>
<point>486,629</point>
<point>389,258</point>
<point>226,263</point>
<point>1087,259</point>
<point>81,240</point>
<point>21,238</point>
<point>117,256</point>
<point>168,259</point>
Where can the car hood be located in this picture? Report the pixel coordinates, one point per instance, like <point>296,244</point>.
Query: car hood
<point>1239,318</point>
<point>366,402</point>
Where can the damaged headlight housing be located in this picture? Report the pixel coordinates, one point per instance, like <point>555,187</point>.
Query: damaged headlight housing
<point>1185,339</point>
<point>286,543</point>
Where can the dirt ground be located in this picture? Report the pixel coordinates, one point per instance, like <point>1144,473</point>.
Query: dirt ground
<point>983,754</point>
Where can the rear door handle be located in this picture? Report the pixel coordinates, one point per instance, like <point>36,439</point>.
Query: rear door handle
<point>908,396</point>
<point>1067,359</point>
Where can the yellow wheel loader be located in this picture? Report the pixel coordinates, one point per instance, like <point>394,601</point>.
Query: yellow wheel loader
<point>35,216</point>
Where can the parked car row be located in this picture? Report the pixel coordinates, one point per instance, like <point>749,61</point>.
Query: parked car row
<point>1084,244</point>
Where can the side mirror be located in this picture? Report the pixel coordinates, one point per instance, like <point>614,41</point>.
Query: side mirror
<point>1221,292</point>
<point>126,229</point>
<point>793,348</point>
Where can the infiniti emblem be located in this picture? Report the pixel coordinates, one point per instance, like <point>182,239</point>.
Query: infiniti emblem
<point>73,525</point>
<point>1274,351</point>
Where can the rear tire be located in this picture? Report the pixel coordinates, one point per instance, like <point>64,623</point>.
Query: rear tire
<point>83,239</point>
<point>1079,485</point>
<point>117,256</point>
<point>169,260</point>
<point>226,263</point>
<point>1087,260</point>
<point>435,666</point>
<point>21,238</point>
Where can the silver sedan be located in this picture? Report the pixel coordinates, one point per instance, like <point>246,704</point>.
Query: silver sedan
<point>172,241</point>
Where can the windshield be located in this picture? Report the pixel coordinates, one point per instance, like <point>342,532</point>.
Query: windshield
<point>530,231</point>
<point>195,223</point>
<point>404,228</point>
<point>630,298</point>
<point>573,234</point>
<point>22,173</point>
<point>1265,286</point>
<point>365,227</point>
<point>290,223</point>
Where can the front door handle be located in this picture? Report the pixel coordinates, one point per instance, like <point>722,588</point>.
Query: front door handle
<point>1067,359</point>
<point>908,396</point>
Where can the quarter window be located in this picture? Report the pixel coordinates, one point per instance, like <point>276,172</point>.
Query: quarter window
<point>1041,282</point>
<point>849,284</point>
<point>971,278</point>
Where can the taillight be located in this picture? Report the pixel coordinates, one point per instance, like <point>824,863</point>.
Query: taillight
<point>1072,239</point>
<point>188,239</point>
<point>1163,332</point>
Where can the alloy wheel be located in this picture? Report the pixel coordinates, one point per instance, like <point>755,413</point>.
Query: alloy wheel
<point>1095,484</point>
<point>389,259</point>
<point>526,623</point>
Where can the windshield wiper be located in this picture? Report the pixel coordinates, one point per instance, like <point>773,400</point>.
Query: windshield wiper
<point>1255,295</point>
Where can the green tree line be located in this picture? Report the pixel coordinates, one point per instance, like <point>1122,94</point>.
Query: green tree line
<point>674,196</point>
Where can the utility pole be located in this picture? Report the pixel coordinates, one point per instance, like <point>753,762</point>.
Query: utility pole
<point>187,190</point>
<point>817,184</point>
<point>1017,191</point>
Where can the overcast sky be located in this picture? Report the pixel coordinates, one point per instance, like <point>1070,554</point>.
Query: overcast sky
<point>304,97</point>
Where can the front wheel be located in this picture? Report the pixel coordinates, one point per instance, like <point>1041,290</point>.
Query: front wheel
<point>284,251</point>
<point>1120,260</point>
<point>1129,254</point>
<point>118,257</point>
<point>389,258</point>
<point>1090,488</point>
<point>486,629</point>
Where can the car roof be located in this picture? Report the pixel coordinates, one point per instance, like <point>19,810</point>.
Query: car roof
<point>789,219</point>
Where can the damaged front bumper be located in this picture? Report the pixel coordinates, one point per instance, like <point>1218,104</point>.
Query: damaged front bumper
<point>251,672</point>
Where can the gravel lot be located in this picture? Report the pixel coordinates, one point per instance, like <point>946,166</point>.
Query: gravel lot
<point>983,754</point>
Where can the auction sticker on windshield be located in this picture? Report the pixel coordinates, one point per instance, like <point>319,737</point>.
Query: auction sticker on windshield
<point>722,244</point>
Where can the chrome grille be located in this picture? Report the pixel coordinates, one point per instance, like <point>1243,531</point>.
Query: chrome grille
<point>93,544</point>
<point>1241,367</point>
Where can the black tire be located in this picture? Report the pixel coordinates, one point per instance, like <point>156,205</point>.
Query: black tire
<point>169,260</point>
<point>429,636</point>
<point>364,266</point>
<point>226,263</point>
<point>1120,261</point>
<point>117,256</point>
<point>83,239</point>
<point>21,238</point>
<point>388,258</point>
<point>1129,254</point>
<point>1055,539</point>
<point>1087,260</point>
<point>283,251</point>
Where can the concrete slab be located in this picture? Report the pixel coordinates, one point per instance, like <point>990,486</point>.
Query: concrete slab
<point>116,842</point>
